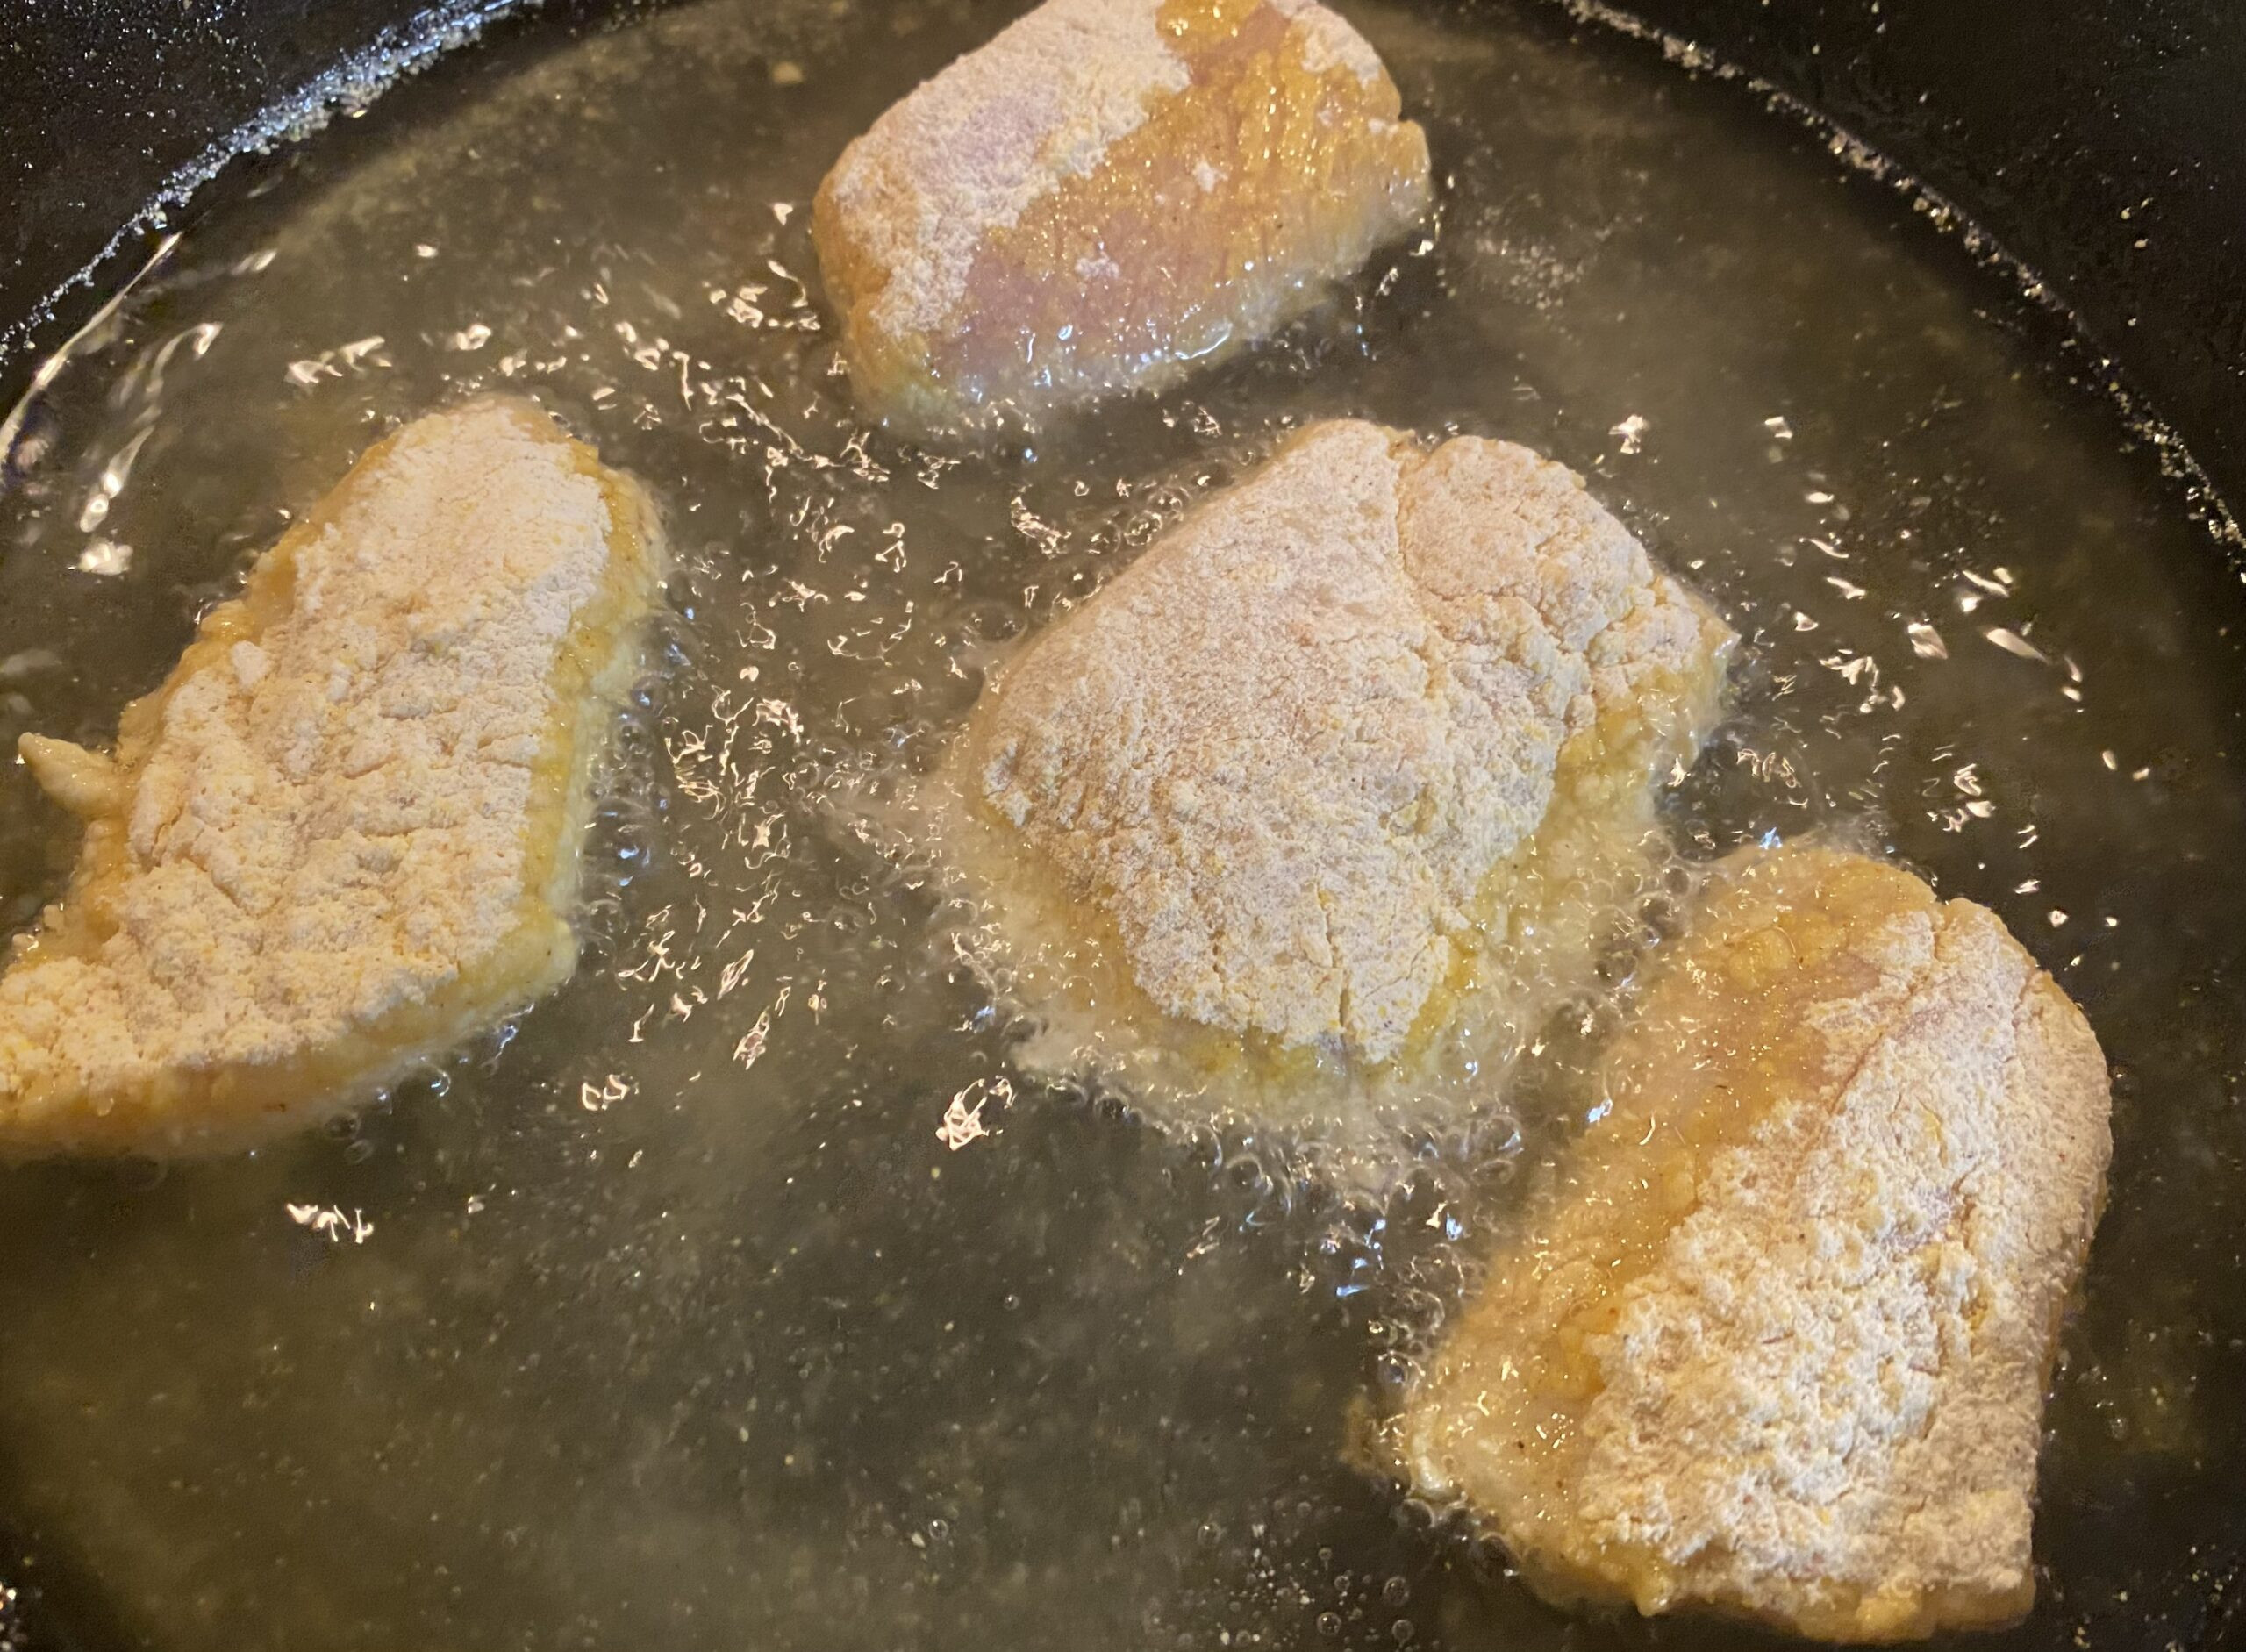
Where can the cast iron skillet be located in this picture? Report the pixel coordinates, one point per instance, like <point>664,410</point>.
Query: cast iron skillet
<point>2102,145</point>
<point>2045,124</point>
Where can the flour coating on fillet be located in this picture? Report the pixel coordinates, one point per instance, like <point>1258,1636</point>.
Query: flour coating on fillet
<point>1284,751</point>
<point>1108,194</point>
<point>971,149</point>
<point>1329,42</point>
<point>1777,1341</point>
<point>348,804</point>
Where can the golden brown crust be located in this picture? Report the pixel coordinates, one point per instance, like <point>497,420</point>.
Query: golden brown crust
<point>252,936</point>
<point>1776,1342</point>
<point>983,245</point>
<point>1356,758</point>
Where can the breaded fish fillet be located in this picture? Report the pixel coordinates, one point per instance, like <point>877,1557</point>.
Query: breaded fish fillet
<point>1108,192</point>
<point>345,832</point>
<point>1776,1342</point>
<point>1368,735</point>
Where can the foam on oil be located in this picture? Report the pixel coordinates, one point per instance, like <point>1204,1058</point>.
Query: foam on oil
<point>745,1293</point>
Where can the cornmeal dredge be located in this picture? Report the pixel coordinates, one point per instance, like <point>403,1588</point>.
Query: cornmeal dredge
<point>1108,192</point>
<point>345,832</point>
<point>1776,1342</point>
<point>1356,761</point>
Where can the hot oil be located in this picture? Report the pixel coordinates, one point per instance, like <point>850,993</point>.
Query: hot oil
<point>745,1294</point>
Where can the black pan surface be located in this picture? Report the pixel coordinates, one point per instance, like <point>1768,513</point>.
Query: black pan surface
<point>643,1350</point>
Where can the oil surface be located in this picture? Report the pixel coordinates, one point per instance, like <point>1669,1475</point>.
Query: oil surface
<point>742,1294</point>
